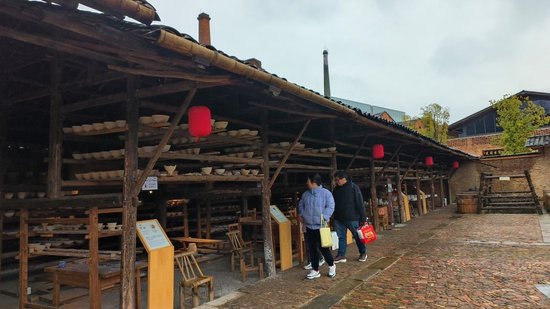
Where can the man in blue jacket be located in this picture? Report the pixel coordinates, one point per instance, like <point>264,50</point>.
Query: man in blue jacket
<point>316,201</point>
<point>349,213</point>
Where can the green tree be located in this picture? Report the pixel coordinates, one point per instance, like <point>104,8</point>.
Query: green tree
<point>435,120</point>
<point>518,117</point>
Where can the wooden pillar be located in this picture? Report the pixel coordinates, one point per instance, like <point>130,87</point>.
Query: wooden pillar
<point>3,147</point>
<point>432,191</point>
<point>269,252</point>
<point>419,196</point>
<point>23,257</point>
<point>374,197</point>
<point>93,260</point>
<point>391,219</point>
<point>449,192</point>
<point>244,206</point>
<point>441,191</point>
<point>130,201</point>
<point>56,122</point>
<point>400,201</point>
<point>333,161</point>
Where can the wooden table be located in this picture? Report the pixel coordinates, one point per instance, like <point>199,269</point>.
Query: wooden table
<point>77,274</point>
<point>204,241</point>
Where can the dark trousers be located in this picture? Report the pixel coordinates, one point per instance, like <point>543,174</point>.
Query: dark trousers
<point>313,243</point>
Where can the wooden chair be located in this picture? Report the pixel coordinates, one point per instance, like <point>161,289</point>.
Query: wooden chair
<point>192,277</point>
<point>239,250</point>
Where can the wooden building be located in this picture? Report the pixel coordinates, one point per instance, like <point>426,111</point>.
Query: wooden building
<point>78,90</point>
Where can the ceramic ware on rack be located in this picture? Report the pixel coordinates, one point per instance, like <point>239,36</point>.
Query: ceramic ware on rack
<point>249,154</point>
<point>120,123</point>
<point>22,195</point>
<point>109,124</point>
<point>219,171</point>
<point>8,195</point>
<point>170,169</point>
<point>87,156</point>
<point>331,149</point>
<point>111,226</point>
<point>245,172</point>
<point>103,175</point>
<point>145,120</point>
<point>221,124</point>
<point>206,170</point>
<point>79,176</point>
<point>67,130</point>
<point>43,194</point>
<point>115,153</point>
<point>112,174</point>
<point>77,129</point>
<point>284,144</point>
<point>254,172</point>
<point>105,155</point>
<point>160,118</point>
<point>253,133</point>
<point>77,156</point>
<point>243,132</point>
<point>98,126</point>
<point>233,133</point>
<point>87,127</point>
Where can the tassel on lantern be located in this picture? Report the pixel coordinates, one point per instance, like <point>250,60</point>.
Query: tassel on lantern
<point>456,165</point>
<point>429,161</point>
<point>199,122</point>
<point>378,151</point>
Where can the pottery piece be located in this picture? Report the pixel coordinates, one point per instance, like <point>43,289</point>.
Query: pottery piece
<point>87,156</point>
<point>120,123</point>
<point>160,118</point>
<point>109,125</point>
<point>221,124</point>
<point>8,195</point>
<point>79,176</point>
<point>145,120</point>
<point>105,154</point>
<point>206,170</point>
<point>77,156</point>
<point>96,155</point>
<point>233,133</point>
<point>98,126</point>
<point>170,169</point>
<point>253,133</point>
<point>331,149</point>
<point>245,172</point>
<point>195,150</point>
<point>115,153</point>
<point>22,195</point>
<point>103,175</point>
<point>243,132</point>
<point>112,174</point>
<point>111,226</point>
<point>87,127</point>
<point>77,129</point>
<point>249,154</point>
<point>43,194</point>
<point>9,213</point>
<point>87,176</point>
<point>219,171</point>
<point>254,172</point>
<point>67,130</point>
<point>284,144</point>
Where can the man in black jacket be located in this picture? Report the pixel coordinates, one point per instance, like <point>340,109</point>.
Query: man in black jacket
<point>349,213</point>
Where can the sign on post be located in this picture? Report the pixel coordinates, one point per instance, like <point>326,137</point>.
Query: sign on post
<point>285,236</point>
<point>151,183</point>
<point>160,271</point>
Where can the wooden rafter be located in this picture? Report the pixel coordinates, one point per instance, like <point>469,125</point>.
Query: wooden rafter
<point>388,162</point>
<point>357,152</point>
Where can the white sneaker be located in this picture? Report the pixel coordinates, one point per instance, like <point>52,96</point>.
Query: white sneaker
<point>313,274</point>
<point>332,271</point>
<point>309,267</point>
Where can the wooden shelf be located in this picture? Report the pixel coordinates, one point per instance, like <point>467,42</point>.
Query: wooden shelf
<point>211,158</point>
<point>208,178</point>
<point>80,253</point>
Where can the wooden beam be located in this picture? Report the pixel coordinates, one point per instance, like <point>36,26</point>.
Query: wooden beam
<point>139,94</point>
<point>130,201</point>
<point>357,152</point>
<point>93,260</point>
<point>292,111</point>
<point>411,165</point>
<point>55,156</point>
<point>164,141</point>
<point>23,258</point>
<point>419,197</point>
<point>172,74</point>
<point>269,251</point>
<point>400,201</point>
<point>388,162</point>
<point>287,154</point>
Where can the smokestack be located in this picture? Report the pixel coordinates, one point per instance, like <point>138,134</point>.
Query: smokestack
<point>325,73</point>
<point>204,29</point>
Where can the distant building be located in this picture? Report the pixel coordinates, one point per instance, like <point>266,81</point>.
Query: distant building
<point>477,133</point>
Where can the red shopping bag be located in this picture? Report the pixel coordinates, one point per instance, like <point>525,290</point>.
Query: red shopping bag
<point>366,233</point>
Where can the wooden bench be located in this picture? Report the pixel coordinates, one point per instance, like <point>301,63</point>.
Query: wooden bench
<point>185,241</point>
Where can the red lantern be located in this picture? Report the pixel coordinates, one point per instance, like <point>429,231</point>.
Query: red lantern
<point>199,121</point>
<point>455,165</point>
<point>429,161</point>
<point>378,151</point>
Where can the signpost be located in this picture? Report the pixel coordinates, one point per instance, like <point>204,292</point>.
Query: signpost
<point>285,237</point>
<point>160,287</point>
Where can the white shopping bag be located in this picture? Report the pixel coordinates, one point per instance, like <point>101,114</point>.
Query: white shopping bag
<point>334,241</point>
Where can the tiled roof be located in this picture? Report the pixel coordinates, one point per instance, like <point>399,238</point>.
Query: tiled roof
<point>538,141</point>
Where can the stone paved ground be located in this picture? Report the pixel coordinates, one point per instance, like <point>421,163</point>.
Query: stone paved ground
<point>441,260</point>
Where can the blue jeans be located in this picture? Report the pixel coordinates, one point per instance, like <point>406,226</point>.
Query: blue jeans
<point>341,230</point>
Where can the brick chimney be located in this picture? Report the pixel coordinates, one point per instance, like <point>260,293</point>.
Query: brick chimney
<point>326,77</point>
<point>204,29</point>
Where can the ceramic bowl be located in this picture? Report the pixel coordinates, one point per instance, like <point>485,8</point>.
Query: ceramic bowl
<point>331,148</point>
<point>77,156</point>
<point>254,172</point>
<point>77,129</point>
<point>42,194</point>
<point>160,118</point>
<point>284,144</point>
<point>249,154</point>
<point>111,226</point>
<point>103,175</point>
<point>22,195</point>
<point>219,171</point>
<point>323,149</point>
<point>243,132</point>
<point>87,176</point>
<point>87,127</point>
<point>98,126</point>
<point>100,226</point>
<point>96,155</point>
<point>115,153</point>
<point>67,130</point>
<point>195,151</point>
<point>222,134</point>
<point>120,173</point>
<point>9,213</point>
<point>120,123</point>
<point>145,119</point>
<point>206,170</point>
<point>221,124</point>
<point>109,125</point>
<point>233,133</point>
<point>112,174</point>
<point>170,169</point>
<point>253,132</point>
<point>8,195</point>
<point>105,154</point>
<point>166,148</point>
<point>87,156</point>
<point>245,172</point>
<point>79,176</point>
<point>94,175</point>
<point>236,173</point>
<point>118,227</point>
<point>212,121</point>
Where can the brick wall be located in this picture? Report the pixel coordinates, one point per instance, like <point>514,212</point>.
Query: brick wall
<point>467,176</point>
<point>476,144</point>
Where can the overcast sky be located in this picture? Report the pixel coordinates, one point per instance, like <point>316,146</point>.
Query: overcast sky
<point>400,54</point>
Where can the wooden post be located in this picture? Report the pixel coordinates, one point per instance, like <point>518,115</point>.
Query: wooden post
<point>130,201</point>
<point>419,196</point>
<point>209,187</point>
<point>3,147</point>
<point>432,191</point>
<point>374,197</point>
<point>441,191</point>
<point>391,219</point>
<point>56,122</point>
<point>23,257</point>
<point>449,192</point>
<point>357,152</point>
<point>93,260</point>
<point>400,203</point>
<point>186,220</point>
<point>266,200</point>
